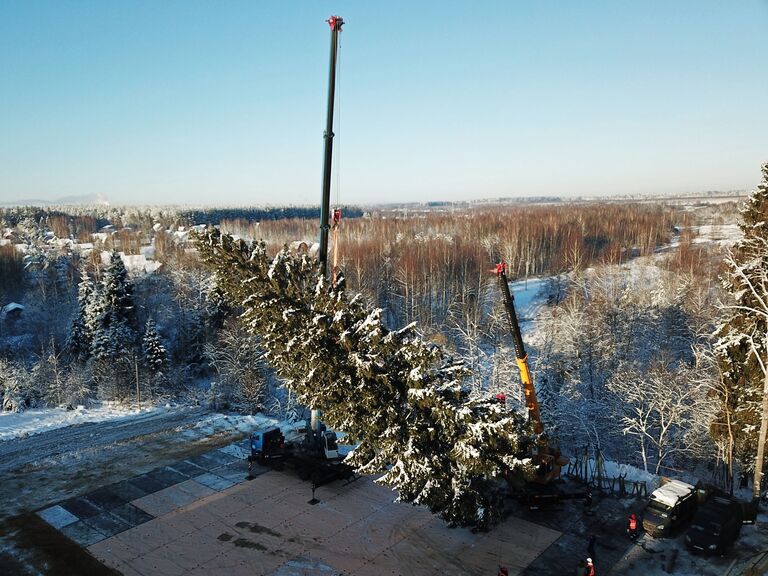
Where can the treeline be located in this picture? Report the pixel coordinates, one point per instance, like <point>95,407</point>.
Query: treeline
<point>435,265</point>
<point>245,215</point>
<point>77,222</point>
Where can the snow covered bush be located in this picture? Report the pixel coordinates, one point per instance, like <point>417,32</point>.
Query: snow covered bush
<point>401,396</point>
<point>17,387</point>
<point>240,373</point>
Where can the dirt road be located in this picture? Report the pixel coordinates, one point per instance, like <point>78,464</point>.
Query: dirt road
<point>90,436</point>
<point>47,467</point>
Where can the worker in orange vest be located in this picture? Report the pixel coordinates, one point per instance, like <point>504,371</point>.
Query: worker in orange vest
<point>632,528</point>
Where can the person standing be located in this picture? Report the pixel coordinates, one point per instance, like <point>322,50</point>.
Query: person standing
<point>590,567</point>
<point>632,526</point>
<point>591,546</point>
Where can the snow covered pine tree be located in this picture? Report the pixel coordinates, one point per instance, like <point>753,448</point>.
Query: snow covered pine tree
<point>112,323</point>
<point>155,354</point>
<point>400,396</point>
<point>79,341</point>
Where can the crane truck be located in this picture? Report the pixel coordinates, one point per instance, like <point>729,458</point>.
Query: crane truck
<point>311,450</point>
<point>547,459</point>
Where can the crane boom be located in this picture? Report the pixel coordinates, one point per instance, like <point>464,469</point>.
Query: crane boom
<point>531,401</point>
<point>335,22</point>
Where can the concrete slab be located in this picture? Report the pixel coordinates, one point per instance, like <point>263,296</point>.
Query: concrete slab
<point>107,524</point>
<point>57,517</point>
<point>222,457</point>
<point>187,468</point>
<point>240,451</point>
<point>159,562</point>
<point>235,472</point>
<point>214,482</point>
<point>132,515</point>
<point>107,497</point>
<point>206,461</point>
<point>81,507</point>
<point>128,491</point>
<point>116,550</point>
<point>83,534</point>
<point>166,476</point>
<point>170,499</point>
<point>149,536</point>
<point>267,527</point>
<point>146,484</point>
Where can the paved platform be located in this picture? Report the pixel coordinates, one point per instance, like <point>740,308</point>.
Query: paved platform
<point>209,520</point>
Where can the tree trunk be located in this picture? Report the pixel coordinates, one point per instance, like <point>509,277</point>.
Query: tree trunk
<point>761,441</point>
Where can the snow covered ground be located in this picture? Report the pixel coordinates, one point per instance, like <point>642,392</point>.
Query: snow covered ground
<point>35,421</point>
<point>57,462</point>
<point>530,297</point>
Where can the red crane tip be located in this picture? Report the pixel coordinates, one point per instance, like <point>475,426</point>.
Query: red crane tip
<point>335,22</point>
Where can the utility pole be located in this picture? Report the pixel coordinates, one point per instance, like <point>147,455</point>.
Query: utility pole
<point>138,389</point>
<point>335,22</point>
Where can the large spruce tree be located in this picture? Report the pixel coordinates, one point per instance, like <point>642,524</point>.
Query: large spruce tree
<point>79,340</point>
<point>154,354</point>
<point>401,397</point>
<point>742,347</point>
<point>111,320</point>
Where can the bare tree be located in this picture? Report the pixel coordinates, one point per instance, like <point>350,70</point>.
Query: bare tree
<point>659,410</point>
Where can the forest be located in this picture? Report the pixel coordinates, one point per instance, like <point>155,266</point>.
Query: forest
<point>630,352</point>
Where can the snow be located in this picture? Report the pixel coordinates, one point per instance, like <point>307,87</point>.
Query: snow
<point>630,473</point>
<point>11,307</point>
<point>529,297</point>
<point>723,234</point>
<point>15,425</point>
<point>671,492</point>
<point>134,263</point>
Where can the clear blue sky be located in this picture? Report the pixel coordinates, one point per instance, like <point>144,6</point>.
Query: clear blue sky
<point>224,101</point>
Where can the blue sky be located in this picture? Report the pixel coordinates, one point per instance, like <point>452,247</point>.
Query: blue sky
<point>224,102</point>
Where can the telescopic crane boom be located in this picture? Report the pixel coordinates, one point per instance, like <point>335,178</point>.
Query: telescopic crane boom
<point>335,22</point>
<point>522,357</point>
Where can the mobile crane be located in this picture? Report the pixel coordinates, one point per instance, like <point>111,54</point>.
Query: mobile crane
<point>548,460</point>
<point>311,450</point>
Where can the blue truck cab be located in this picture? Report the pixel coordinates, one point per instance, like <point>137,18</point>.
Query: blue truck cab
<point>267,443</point>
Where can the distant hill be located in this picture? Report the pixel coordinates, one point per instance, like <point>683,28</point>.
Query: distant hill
<point>82,200</point>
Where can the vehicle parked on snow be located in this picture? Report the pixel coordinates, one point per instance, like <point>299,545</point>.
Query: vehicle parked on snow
<point>671,505</point>
<point>715,526</point>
